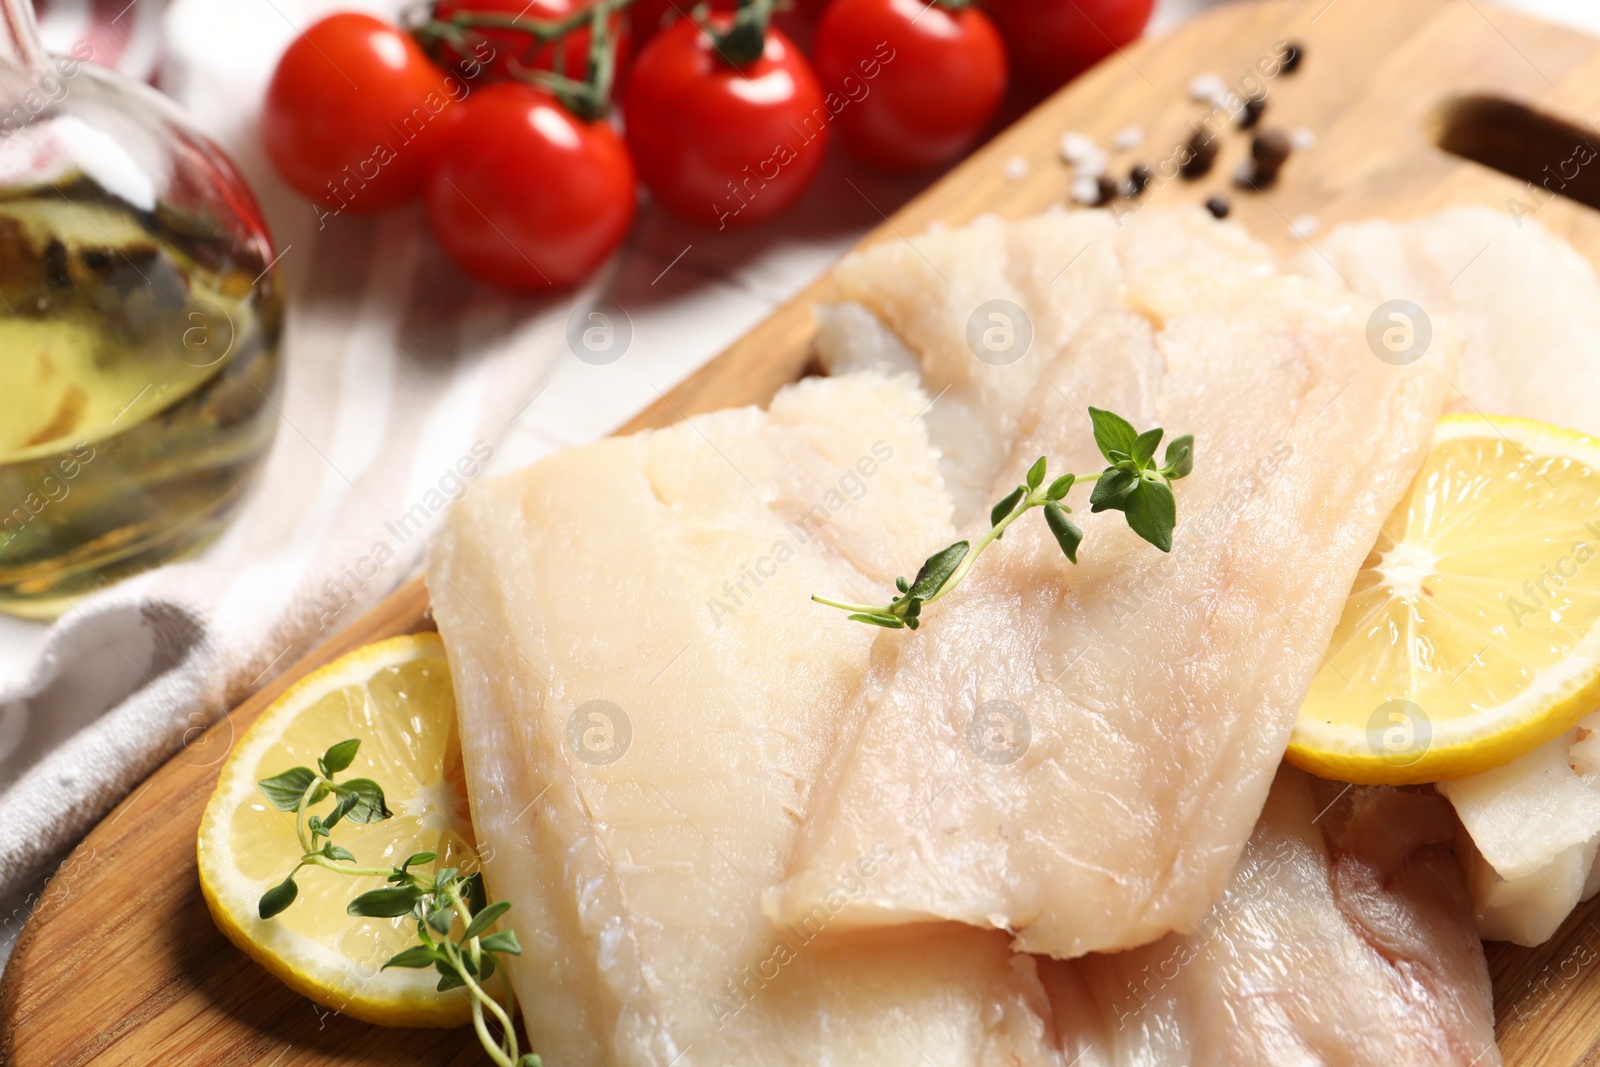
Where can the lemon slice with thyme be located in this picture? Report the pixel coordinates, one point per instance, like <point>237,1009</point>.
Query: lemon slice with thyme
<point>1472,633</point>
<point>396,698</point>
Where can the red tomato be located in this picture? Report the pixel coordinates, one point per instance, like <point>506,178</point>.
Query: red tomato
<point>512,49</point>
<point>914,83</point>
<point>353,112</point>
<point>527,196</point>
<point>721,145</point>
<point>646,18</point>
<point>1053,41</point>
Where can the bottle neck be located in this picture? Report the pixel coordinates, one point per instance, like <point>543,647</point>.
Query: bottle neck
<point>19,35</point>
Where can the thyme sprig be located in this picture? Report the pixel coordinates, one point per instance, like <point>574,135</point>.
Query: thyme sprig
<point>1133,482</point>
<point>437,901</point>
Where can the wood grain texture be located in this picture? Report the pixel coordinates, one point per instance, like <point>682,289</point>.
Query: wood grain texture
<point>120,963</point>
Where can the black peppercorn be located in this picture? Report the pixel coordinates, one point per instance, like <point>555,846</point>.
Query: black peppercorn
<point>1201,155</point>
<point>1269,150</point>
<point>1293,53</point>
<point>1218,206</point>
<point>1253,107</point>
<point>1138,179</point>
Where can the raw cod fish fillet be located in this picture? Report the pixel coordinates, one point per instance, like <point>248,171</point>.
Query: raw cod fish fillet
<point>1077,755</point>
<point>1345,938</point>
<point>1530,831</point>
<point>1527,307</point>
<point>926,305</point>
<point>907,305</point>
<point>667,574</point>
<point>1525,302</point>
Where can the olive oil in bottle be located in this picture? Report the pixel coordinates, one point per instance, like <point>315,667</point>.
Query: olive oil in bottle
<point>138,386</point>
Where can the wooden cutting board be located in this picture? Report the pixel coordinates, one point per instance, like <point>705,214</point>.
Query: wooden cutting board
<point>120,964</point>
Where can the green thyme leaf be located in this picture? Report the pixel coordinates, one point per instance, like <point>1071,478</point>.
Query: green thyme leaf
<point>1036,473</point>
<point>888,622</point>
<point>441,919</point>
<point>343,807</point>
<point>1144,446</point>
<point>340,756</point>
<point>1180,457</point>
<point>388,903</point>
<point>501,941</point>
<point>275,900</point>
<point>449,982</point>
<point>485,919</point>
<point>1002,509</point>
<point>1112,433</point>
<point>414,957</point>
<point>937,570</point>
<point>1066,532</point>
<point>1111,490</point>
<point>369,806</point>
<point>1060,487</point>
<point>1152,513</point>
<point>472,892</point>
<point>334,852</point>
<point>444,878</point>
<point>286,789</point>
<point>419,857</point>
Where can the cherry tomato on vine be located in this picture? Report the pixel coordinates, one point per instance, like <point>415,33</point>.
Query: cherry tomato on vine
<point>353,111</point>
<point>1053,41</point>
<point>527,196</point>
<point>918,81</point>
<point>514,48</point>
<point>718,144</point>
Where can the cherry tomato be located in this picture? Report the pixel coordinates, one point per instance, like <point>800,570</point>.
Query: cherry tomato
<point>721,145</point>
<point>524,194</point>
<point>646,18</point>
<point>1053,41</point>
<point>915,83</point>
<point>353,113</point>
<point>510,49</point>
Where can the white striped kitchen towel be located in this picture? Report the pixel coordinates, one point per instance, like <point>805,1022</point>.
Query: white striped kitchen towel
<point>401,378</point>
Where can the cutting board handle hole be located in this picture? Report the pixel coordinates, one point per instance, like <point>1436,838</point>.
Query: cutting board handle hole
<point>1525,144</point>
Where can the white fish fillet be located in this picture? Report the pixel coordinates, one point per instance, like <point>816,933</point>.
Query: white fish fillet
<point>1158,691</point>
<point>599,574</point>
<point>908,304</point>
<point>1525,302</point>
<point>1345,937</point>
<point>1527,307</point>
<point>1532,829</point>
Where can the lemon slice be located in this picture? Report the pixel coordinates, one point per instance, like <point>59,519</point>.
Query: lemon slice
<point>1472,633</point>
<point>396,697</point>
